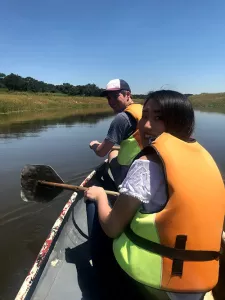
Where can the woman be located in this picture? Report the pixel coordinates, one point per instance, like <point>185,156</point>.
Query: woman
<point>168,220</point>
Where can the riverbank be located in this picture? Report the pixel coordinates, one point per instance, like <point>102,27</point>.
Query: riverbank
<point>18,102</point>
<point>209,102</point>
<point>31,102</point>
<point>53,114</point>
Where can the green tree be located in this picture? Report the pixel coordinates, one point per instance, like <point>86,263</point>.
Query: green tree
<point>18,83</point>
<point>14,82</point>
<point>2,76</point>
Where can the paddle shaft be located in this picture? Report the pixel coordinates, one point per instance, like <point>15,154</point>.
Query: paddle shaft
<point>116,148</point>
<point>72,187</point>
<point>113,148</point>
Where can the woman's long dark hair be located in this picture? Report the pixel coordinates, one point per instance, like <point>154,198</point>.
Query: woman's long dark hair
<point>177,112</point>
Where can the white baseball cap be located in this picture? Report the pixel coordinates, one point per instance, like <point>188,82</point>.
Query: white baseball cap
<point>116,85</point>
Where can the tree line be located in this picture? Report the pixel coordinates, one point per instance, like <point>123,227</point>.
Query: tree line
<point>14,82</point>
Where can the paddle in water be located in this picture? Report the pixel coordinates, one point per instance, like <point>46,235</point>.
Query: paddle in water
<point>40,183</point>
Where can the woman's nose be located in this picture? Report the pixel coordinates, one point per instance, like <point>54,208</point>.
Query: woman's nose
<point>147,124</point>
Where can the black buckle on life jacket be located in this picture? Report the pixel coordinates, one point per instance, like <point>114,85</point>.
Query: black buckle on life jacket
<point>177,266</point>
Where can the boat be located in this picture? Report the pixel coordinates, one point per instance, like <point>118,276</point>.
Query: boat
<point>63,268</point>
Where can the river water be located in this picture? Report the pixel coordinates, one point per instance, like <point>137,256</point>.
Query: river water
<point>63,143</point>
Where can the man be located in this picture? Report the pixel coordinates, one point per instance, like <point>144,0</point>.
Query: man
<point>122,131</point>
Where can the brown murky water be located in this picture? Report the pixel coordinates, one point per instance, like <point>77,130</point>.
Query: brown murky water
<point>62,142</point>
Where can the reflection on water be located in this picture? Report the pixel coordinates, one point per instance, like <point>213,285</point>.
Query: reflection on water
<point>60,139</point>
<point>30,124</point>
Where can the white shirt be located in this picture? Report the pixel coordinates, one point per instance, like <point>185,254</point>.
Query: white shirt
<point>145,181</point>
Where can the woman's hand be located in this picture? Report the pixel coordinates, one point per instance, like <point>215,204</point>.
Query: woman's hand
<point>95,193</point>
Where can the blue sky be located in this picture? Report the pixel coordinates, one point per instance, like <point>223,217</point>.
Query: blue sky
<point>151,44</point>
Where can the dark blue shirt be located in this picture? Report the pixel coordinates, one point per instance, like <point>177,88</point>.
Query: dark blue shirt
<point>122,126</point>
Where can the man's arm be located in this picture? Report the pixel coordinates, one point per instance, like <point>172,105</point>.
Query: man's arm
<point>121,127</point>
<point>101,149</point>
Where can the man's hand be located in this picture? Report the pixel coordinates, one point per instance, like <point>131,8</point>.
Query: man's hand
<point>101,149</point>
<point>94,143</point>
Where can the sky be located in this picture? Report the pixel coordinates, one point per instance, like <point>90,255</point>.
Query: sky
<point>152,44</point>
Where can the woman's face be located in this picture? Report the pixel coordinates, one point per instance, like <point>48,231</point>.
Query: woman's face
<point>151,124</point>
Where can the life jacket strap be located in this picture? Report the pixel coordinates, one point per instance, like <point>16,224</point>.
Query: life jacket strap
<point>172,253</point>
<point>177,266</point>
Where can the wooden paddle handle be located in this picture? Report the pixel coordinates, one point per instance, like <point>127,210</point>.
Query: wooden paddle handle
<point>72,187</point>
<point>113,148</point>
<point>116,148</point>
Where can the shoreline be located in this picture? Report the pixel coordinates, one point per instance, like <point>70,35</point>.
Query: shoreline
<point>51,114</point>
<point>21,102</point>
<point>209,102</point>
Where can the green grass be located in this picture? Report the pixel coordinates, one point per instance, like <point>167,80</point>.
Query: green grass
<point>17,102</point>
<point>59,114</point>
<point>31,102</point>
<point>3,90</point>
<point>209,102</point>
<point>24,101</point>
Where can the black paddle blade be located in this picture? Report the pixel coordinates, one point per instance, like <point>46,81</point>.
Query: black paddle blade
<point>31,190</point>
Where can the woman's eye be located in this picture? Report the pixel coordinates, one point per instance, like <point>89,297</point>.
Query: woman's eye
<point>144,115</point>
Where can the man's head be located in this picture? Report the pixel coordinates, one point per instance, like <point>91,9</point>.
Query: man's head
<point>118,94</point>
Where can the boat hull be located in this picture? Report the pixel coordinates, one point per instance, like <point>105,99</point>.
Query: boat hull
<point>53,276</point>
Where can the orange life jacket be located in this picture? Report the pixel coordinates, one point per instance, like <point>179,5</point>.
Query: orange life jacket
<point>130,147</point>
<point>191,220</point>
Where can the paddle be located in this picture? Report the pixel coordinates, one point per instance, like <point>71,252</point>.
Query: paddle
<point>116,148</point>
<point>113,148</point>
<point>40,183</point>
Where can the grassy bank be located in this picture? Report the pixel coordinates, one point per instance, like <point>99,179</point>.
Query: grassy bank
<point>29,123</point>
<point>209,102</point>
<point>18,101</point>
<point>53,115</point>
<point>14,102</point>
<point>61,116</point>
